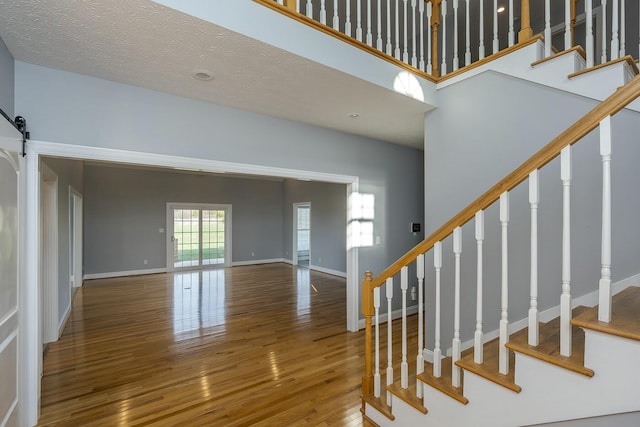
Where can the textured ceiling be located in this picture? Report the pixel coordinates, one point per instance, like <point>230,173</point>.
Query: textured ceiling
<point>142,43</point>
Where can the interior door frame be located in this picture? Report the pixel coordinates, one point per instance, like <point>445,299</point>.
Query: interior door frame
<point>75,237</point>
<point>294,248</point>
<point>228,244</point>
<point>49,281</point>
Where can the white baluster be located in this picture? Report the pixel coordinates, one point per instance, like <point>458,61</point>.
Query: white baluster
<point>443,66</point>
<point>456,60</point>
<point>478,352</point>
<point>429,14</point>
<point>437,352</point>
<point>565,298</point>
<point>496,43</point>
<point>604,308</point>
<point>589,41</point>
<point>404,366</point>
<point>419,358</point>
<point>389,49</point>
<point>379,38</point>
<point>397,47</point>
<point>414,58</point>
<point>604,32</point>
<point>347,19</point>
<point>481,52</point>
<point>503,355</point>
<point>623,29</point>
<point>512,34</point>
<point>359,20</point>
<point>336,19</point>
<point>534,200</point>
<point>376,375</point>
<point>615,40</point>
<point>567,24</point>
<point>421,11</point>
<point>455,343</point>
<point>405,52</point>
<point>389,337</point>
<point>323,12</point>
<point>547,28</point>
<point>369,35</point>
<point>309,9</point>
<point>467,52</point>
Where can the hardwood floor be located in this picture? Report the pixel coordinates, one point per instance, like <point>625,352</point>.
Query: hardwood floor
<point>243,346</point>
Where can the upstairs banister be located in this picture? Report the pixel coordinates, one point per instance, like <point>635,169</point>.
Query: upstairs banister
<point>610,106</point>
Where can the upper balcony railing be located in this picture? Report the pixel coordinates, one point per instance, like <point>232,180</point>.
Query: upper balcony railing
<point>438,37</point>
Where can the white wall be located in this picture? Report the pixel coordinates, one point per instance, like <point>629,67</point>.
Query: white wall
<point>485,127</point>
<point>73,109</point>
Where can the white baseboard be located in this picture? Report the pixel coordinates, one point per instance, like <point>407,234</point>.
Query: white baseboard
<point>65,317</point>
<point>258,262</point>
<point>124,273</point>
<point>396,314</point>
<point>329,271</point>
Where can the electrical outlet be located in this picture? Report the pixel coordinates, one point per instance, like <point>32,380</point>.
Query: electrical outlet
<point>413,293</point>
<point>253,254</point>
<point>146,261</point>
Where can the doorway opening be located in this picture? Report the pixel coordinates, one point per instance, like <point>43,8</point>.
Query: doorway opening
<point>302,234</point>
<point>199,236</point>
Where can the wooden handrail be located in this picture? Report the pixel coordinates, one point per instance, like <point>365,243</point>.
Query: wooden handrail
<point>610,106</point>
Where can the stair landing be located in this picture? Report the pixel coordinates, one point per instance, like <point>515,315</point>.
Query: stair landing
<point>625,318</point>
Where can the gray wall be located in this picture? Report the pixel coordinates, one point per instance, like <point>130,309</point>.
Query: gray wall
<point>486,127</point>
<point>69,174</point>
<point>328,221</point>
<point>7,81</point>
<point>74,109</point>
<point>125,208</point>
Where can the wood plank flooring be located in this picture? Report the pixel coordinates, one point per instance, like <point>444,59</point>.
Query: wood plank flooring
<point>241,346</point>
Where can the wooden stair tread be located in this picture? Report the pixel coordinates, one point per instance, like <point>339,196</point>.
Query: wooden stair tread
<point>628,59</point>
<point>380,405</point>
<point>625,317</point>
<point>548,348</point>
<point>443,383</point>
<point>489,367</point>
<point>409,394</point>
<point>577,49</point>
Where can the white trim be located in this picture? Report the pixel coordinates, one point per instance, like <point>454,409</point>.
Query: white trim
<point>49,261</point>
<point>83,152</point>
<point>76,235</point>
<point>9,413</point>
<point>260,261</point>
<point>329,271</point>
<point>395,314</point>
<point>124,273</point>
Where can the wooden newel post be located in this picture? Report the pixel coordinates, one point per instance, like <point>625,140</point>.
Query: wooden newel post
<point>574,13</point>
<point>525,29</point>
<point>367,310</point>
<point>291,5</point>
<point>435,24</point>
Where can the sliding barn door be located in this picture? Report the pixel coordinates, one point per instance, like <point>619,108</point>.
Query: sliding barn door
<point>9,246</point>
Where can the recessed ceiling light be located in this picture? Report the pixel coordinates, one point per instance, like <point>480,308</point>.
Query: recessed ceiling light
<point>354,115</point>
<point>501,9</point>
<point>203,75</point>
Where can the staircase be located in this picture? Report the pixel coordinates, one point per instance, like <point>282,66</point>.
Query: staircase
<point>576,360</point>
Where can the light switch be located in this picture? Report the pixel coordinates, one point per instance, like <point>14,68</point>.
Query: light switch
<point>161,230</point>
